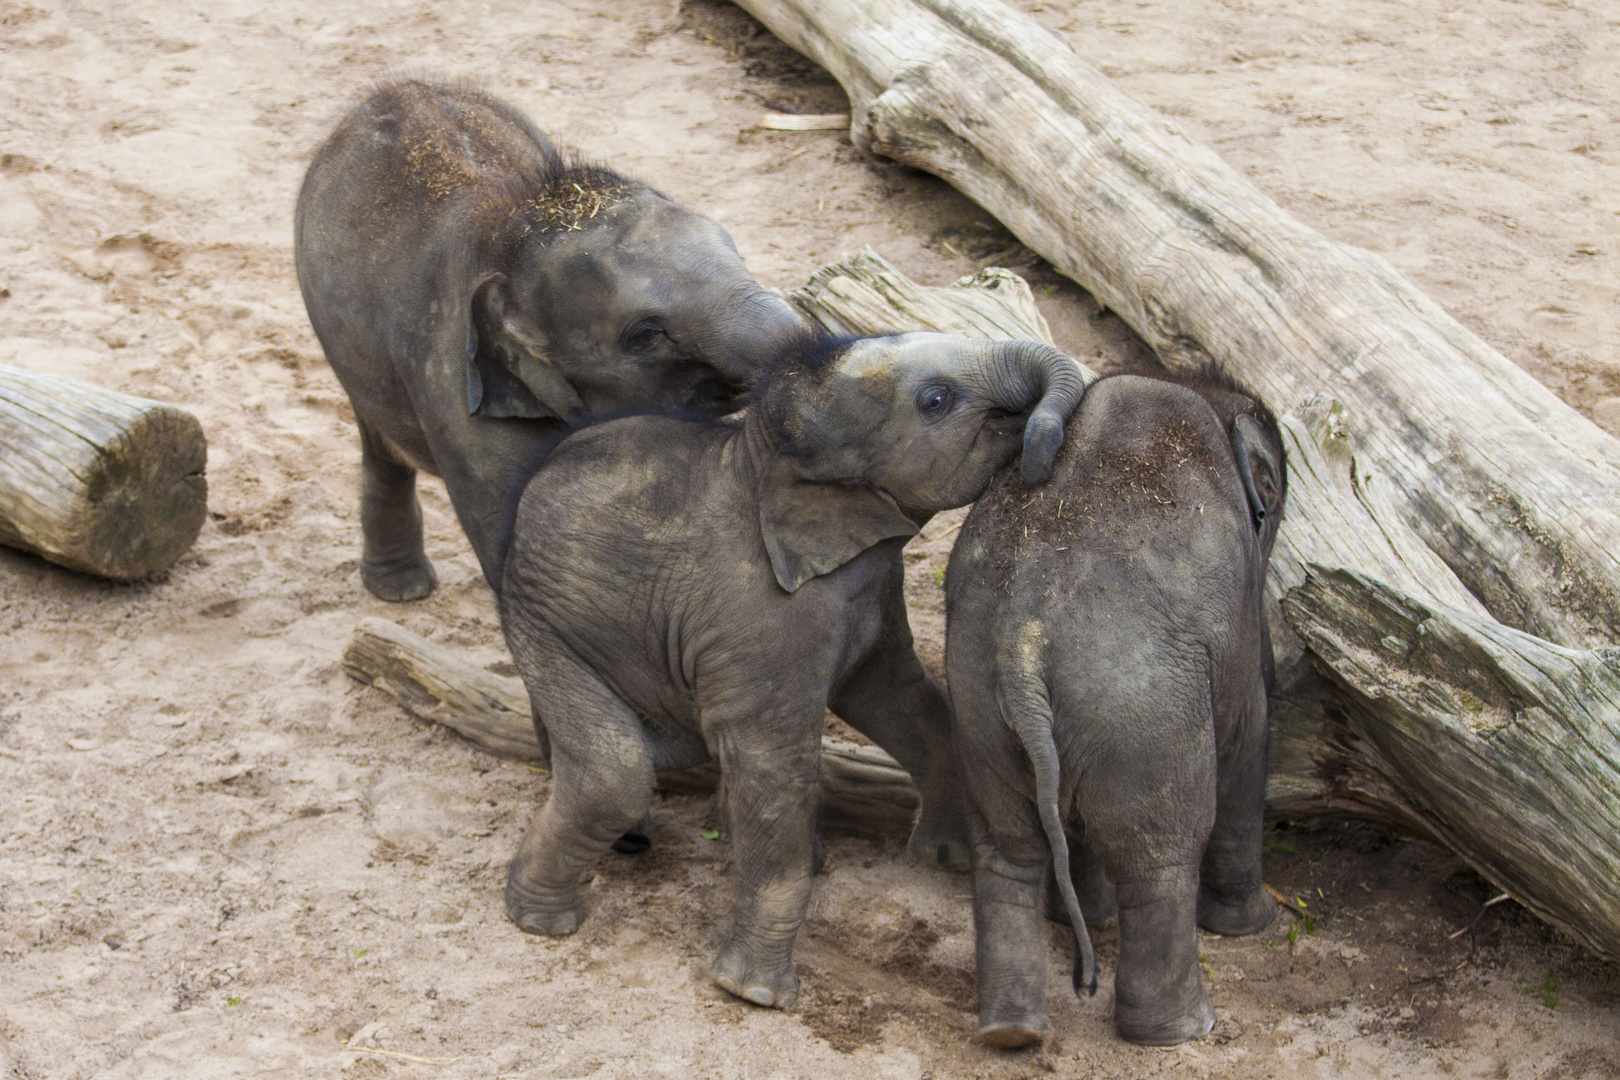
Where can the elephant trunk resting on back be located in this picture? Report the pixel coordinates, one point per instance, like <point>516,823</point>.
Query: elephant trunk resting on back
<point>1107,655</point>
<point>682,590</point>
<point>473,288</point>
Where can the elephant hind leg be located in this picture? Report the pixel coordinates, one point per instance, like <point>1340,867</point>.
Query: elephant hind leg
<point>393,564</point>
<point>601,787</point>
<point>1232,898</point>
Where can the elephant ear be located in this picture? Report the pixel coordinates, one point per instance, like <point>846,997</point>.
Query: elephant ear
<point>508,371</point>
<point>812,529</point>
<point>1259,463</point>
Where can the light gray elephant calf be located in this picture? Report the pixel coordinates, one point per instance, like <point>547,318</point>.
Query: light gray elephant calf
<point>1108,656</point>
<point>682,589</point>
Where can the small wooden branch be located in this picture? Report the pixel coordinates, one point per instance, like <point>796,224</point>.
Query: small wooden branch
<point>96,480</point>
<point>1502,746</point>
<point>492,712</point>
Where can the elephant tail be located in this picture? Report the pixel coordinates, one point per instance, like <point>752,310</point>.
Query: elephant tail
<point>1035,731</point>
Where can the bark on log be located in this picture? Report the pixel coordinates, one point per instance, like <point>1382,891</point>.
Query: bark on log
<point>492,712</point>
<point>1499,745</point>
<point>1513,490</point>
<point>96,480</point>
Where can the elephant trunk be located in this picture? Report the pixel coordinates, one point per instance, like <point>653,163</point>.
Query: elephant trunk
<point>1035,732</point>
<point>760,323</point>
<point>1022,372</point>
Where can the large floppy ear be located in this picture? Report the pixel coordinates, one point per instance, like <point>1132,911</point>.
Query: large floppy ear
<point>812,529</point>
<point>508,372</point>
<point>1259,463</point>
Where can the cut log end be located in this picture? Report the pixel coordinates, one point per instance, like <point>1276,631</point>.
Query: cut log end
<point>98,481</point>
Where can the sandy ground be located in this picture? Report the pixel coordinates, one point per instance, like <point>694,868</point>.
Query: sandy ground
<point>220,857</point>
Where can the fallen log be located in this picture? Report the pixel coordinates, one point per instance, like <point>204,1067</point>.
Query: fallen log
<point>1424,459</point>
<point>95,480</point>
<point>1514,491</point>
<point>1499,745</point>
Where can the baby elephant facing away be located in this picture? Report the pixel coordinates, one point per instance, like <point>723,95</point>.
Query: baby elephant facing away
<point>683,589</point>
<point>1107,653</point>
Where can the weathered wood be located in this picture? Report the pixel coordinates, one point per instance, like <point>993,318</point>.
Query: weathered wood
<point>1513,490</point>
<point>491,711</point>
<point>1500,745</point>
<point>96,480</point>
<point>865,294</point>
<point>1422,460</point>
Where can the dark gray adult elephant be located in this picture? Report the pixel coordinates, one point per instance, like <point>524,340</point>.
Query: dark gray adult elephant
<point>473,288</point>
<point>1107,655</point>
<point>684,590</point>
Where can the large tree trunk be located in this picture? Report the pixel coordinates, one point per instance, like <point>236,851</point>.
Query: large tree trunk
<point>1513,490</point>
<point>1449,481</point>
<point>96,480</point>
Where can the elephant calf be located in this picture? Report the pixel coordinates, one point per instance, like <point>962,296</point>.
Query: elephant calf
<point>679,589</point>
<point>474,289</point>
<point>1108,655</point>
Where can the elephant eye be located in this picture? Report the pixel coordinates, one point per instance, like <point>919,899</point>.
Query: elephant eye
<point>643,336</point>
<point>935,401</point>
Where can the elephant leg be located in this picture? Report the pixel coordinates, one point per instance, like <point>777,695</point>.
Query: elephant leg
<point>1159,997</point>
<point>891,700</point>
<point>393,564</point>
<point>1091,885</point>
<point>773,800</point>
<point>1008,929</point>
<point>1232,898</point>
<point>601,786</point>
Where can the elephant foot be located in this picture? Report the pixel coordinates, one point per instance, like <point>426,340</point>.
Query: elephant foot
<point>399,581</point>
<point>632,843</point>
<point>555,915</point>
<point>1010,1036</point>
<point>1150,1027</point>
<point>1247,914</point>
<point>941,841</point>
<point>739,973</point>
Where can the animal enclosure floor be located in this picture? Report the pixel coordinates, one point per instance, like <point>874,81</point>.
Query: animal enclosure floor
<point>221,857</point>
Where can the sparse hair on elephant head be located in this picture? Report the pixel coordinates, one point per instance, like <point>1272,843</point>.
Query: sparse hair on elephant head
<point>894,429</point>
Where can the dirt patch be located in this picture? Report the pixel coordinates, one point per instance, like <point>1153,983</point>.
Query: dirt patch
<point>221,856</point>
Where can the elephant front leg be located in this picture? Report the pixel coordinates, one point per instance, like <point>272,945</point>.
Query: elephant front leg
<point>393,563</point>
<point>602,782</point>
<point>773,802</point>
<point>891,700</point>
<point>1232,897</point>
<point>1009,932</point>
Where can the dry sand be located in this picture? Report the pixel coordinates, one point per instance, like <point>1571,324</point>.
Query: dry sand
<point>221,857</point>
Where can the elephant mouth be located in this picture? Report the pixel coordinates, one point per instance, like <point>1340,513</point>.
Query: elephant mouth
<point>716,397</point>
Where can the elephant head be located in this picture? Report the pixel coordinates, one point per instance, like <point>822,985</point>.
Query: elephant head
<point>875,436</point>
<point>605,295</point>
